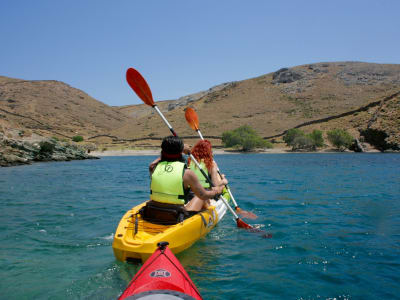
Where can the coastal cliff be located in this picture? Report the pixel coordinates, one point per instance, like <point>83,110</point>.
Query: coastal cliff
<point>18,152</point>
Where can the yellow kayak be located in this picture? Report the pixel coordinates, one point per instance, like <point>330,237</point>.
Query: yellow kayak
<point>136,238</point>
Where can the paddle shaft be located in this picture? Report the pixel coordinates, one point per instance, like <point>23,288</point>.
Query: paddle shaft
<point>164,119</point>
<point>201,136</point>
<point>193,120</point>
<point>142,89</point>
<point>209,181</point>
<point>196,162</point>
<point>227,186</point>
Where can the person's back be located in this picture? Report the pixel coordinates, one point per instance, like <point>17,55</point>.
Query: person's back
<point>171,180</point>
<point>202,152</point>
<point>203,180</point>
<point>167,183</point>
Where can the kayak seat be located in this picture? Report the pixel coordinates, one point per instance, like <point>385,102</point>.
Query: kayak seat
<point>164,213</point>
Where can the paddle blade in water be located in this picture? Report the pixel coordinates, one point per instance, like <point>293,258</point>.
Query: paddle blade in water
<point>191,118</point>
<point>246,214</point>
<point>240,223</point>
<point>140,86</point>
<point>250,228</point>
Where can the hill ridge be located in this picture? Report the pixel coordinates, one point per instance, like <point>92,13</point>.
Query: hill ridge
<point>311,96</point>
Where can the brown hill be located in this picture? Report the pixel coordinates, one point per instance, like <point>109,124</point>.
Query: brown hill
<point>53,108</point>
<point>352,95</point>
<point>322,95</point>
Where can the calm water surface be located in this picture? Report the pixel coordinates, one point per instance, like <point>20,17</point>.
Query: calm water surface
<point>335,221</point>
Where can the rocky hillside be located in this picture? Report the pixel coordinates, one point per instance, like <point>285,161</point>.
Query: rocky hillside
<point>53,108</point>
<point>18,152</point>
<point>321,95</point>
<point>361,97</point>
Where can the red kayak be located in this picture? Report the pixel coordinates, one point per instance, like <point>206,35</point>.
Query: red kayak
<point>161,277</point>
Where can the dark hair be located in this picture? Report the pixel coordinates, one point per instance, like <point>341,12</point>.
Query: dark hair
<point>171,148</point>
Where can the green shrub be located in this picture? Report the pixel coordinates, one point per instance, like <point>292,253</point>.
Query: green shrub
<point>245,138</point>
<point>291,135</point>
<point>303,142</point>
<point>340,138</point>
<point>298,140</point>
<point>77,138</point>
<point>47,147</point>
<point>317,138</point>
<point>230,138</point>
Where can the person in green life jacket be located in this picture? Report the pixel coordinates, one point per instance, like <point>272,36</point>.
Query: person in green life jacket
<point>202,152</point>
<point>171,180</point>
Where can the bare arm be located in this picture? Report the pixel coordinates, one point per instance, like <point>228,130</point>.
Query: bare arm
<point>190,179</point>
<point>153,165</point>
<point>186,149</point>
<point>216,179</point>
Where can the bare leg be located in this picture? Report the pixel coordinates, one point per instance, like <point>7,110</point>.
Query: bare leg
<point>196,204</point>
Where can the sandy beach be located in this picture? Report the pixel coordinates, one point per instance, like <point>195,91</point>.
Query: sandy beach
<point>143,152</point>
<point>151,152</point>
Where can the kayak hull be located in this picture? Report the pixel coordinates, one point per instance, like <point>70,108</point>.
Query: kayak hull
<point>138,239</point>
<point>161,277</point>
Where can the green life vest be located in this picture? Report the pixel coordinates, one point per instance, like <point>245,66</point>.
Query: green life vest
<point>198,173</point>
<point>167,183</point>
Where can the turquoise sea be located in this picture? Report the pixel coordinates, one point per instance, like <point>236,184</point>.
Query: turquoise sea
<point>334,220</point>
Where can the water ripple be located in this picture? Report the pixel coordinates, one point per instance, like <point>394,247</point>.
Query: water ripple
<point>334,218</point>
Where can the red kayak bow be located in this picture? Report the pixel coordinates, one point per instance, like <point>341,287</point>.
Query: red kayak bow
<point>161,277</point>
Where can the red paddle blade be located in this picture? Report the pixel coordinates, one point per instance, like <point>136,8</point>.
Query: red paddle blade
<point>250,228</point>
<point>140,86</point>
<point>240,223</point>
<point>191,118</point>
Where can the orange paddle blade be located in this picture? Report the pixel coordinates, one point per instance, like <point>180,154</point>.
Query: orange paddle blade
<point>140,86</point>
<point>191,118</point>
<point>246,214</point>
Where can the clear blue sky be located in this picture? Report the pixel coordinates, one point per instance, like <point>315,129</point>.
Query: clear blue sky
<point>182,47</point>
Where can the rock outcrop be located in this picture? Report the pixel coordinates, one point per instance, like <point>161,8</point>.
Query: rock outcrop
<point>286,75</point>
<point>18,152</point>
<point>185,100</point>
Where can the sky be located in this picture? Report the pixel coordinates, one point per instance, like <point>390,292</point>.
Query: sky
<point>185,46</point>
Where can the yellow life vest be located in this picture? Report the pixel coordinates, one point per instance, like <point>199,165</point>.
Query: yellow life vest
<point>167,183</point>
<point>199,175</point>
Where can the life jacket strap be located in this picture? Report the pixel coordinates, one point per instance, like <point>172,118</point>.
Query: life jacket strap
<point>179,196</point>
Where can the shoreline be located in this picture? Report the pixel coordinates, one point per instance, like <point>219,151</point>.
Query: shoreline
<point>143,152</point>
<point>215,152</point>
